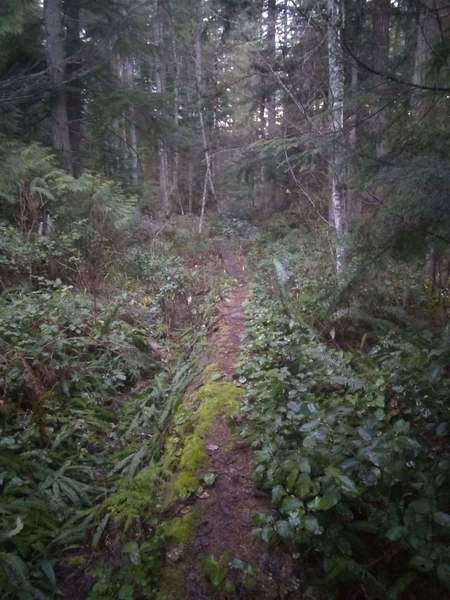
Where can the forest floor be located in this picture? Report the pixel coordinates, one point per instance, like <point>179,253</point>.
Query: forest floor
<point>223,559</point>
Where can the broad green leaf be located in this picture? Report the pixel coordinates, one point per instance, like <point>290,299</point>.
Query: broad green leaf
<point>290,504</point>
<point>339,568</point>
<point>131,549</point>
<point>214,571</point>
<point>283,529</point>
<point>442,519</point>
<point>325,502</point>
<point>49,572</point>
<point>311,525</point>
<point>421,563</point>
<point>291,479</point>
<point>304,465</point>
<point>347,485</point>
<point>304,486</point>
<point>396,533</point>
<point>443,572</point>
<point>278,492</point>
<point>15,569</point>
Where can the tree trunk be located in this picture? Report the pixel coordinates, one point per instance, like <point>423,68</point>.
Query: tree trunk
<point>56,69</point>
<point>271,47</point>
<point>271,57</point>
<point>190,186</point>
<point>336,91</point>
<point>160,77</point>
<point>427,35</point>
<point>119,161</point>
<point>74,97</point>
<point>132,142</point>
<point>175,193</point>
<point>381,15</point>
<point>354,18</point>
<point>208,181</point>
<point>134,147</point>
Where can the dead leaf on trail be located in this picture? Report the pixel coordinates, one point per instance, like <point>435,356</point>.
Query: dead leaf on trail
<point>174,554</point>
<point>209,479</point>
<point>184,510</point>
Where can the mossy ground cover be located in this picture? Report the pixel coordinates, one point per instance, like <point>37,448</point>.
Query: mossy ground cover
<point>146,501</point>
<point>213,400</point>
<point>175,476</point>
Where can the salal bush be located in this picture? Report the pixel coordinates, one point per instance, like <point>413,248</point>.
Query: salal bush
<point>161,274</point>
<point>353,449</point>
<point>22,258</point>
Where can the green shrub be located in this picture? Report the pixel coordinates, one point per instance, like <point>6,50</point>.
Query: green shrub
<point>162,275</point>
<point>352,447</point>
<point>69,342</point>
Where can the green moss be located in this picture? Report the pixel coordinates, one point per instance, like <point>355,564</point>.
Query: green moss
<point>215,399</point>
<point>134,496</point>
<point>184,485</point>
<point>211,400</point>
<point>181,529</point>
<point>175,476</point>
<point>172,583</point>
<point>194,453</point>
<point>210,373</point>
<point>77,561</point>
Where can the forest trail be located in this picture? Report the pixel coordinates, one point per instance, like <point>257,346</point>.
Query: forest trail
<point>227,510</point>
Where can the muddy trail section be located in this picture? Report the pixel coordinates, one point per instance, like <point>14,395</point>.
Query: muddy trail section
<point>223,559</point>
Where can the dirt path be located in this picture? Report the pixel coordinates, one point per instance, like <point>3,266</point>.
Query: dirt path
<point>227,510</point>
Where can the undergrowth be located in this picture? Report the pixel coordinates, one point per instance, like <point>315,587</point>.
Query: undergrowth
<point>350,435</point>
<point>143,502</point>
<point>93,365</point>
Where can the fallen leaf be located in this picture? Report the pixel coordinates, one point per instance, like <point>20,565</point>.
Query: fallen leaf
<point>209,479</point>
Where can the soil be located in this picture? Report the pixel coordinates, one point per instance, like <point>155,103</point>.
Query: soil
<point>227,510</point>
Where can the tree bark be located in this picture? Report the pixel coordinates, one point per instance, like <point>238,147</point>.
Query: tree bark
<point>271,48</point>
<point>428,32</point>
<point>427,35</point>
<point>132,140</point>
<point>381,15</point>
<point>175,192</point>
<point>56,68</point>
<point>74,96</point>
<point>271,57</point>
<point>208,181</point>
<point>118,164</point>
<point>190,186</point>
<point>160,77</point>
<point>354,18</point>
<point>336,91</point>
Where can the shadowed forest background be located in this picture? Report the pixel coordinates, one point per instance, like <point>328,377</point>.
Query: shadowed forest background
<point>158,160</point>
